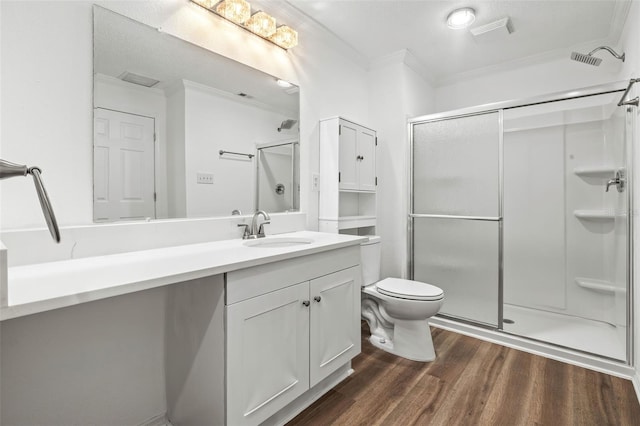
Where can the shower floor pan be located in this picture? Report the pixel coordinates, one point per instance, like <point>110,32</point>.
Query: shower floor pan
<point>572,332</point>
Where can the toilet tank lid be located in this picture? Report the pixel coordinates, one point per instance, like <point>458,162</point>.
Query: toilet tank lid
<point>373,239</point>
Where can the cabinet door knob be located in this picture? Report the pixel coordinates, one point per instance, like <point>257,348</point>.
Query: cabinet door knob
<point>317,299</point>
<point>306,302</point>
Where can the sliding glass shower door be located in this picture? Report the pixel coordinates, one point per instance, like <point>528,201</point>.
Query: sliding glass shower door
<point>456,213</point>
<point>522,215</point>
<point>566,189</point>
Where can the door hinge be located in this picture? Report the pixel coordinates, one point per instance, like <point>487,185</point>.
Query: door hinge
<point>155,197</point>
<point>339,129</point>
<point>376,141</point>
<point>339,176</point>
<point>376,180</point>
<point>154,137</point>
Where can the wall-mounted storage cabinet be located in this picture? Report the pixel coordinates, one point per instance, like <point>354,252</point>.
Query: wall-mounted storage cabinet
<point>347,177</point>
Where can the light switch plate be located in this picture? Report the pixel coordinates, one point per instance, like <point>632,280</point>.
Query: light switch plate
<point>315,182</point>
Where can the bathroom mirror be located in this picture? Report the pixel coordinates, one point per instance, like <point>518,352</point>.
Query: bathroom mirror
<point>179,130</point>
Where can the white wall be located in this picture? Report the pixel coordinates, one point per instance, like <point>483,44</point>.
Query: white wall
<point>397,93</point>
<point>55,106</point>
<point>215,123</point>
<point>46,116</point>
<point>46,97</point>
<point>557,75</point>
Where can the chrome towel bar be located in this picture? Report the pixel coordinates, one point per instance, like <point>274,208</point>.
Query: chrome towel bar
<point>222,152</point>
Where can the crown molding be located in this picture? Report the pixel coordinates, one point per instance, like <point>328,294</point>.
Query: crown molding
<point>549,56</point>
<point>406,57</point>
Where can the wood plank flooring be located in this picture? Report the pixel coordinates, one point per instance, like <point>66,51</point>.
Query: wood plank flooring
<point>472,382</point>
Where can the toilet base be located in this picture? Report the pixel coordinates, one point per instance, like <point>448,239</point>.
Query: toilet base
<point>411,340</point>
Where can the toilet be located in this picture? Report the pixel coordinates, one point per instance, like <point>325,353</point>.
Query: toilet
<point>396,309</point>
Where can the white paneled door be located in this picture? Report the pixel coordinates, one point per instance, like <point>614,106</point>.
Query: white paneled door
<point>123,166</point>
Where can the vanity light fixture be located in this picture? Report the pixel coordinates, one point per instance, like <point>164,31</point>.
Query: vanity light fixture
<point>285,37</point>
<point>237,11</point>
<point>461,18</point>
<point>260,23</point>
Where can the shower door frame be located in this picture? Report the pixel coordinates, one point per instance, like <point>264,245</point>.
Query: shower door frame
<point>259,147</point>
<point>616,87</point>
<point>498,218</point>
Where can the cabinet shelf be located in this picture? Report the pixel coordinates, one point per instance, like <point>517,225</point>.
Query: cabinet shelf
<point>598,171</point>
<point>600,215</point>
<point>351,222</point>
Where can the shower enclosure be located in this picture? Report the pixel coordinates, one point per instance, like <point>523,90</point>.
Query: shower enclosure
<point>520,212</point>
<point>278,187</point>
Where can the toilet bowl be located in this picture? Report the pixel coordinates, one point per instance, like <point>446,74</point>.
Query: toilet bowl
<point>397,310</point>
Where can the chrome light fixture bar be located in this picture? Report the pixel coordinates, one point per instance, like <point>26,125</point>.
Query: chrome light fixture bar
<point>258,23</point>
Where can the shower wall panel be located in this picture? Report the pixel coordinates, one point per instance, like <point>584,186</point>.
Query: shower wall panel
<point>534,218</point>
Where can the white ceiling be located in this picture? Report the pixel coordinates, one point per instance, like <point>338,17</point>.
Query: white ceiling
<point>543,29</point>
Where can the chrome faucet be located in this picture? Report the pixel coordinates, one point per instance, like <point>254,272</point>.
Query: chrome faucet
<point>258,232</point>
<point>618,181</point>
<point>9,169</point>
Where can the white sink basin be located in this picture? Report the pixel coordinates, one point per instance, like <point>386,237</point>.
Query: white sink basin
<point>277,242</point>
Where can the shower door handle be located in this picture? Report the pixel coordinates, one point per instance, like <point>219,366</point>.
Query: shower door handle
<point>618,182</point>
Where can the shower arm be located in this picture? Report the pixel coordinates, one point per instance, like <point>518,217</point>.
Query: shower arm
<point>608,49</point>
<point>9,169</point>
<point>633,101</point>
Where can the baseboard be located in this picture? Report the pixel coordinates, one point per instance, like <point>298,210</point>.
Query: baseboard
<point>568,356</point>
<point>159,420</point>
<point>636,384</point>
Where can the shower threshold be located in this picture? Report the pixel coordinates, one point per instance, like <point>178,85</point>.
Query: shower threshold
<point>582,334</point>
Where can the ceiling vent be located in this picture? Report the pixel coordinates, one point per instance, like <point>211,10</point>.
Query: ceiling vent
<point>138,79</point>
<point>493,31</point>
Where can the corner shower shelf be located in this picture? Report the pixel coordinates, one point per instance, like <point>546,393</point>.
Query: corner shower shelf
<point>595,215</point>
<point>599,286</point>
<point>601,171</point>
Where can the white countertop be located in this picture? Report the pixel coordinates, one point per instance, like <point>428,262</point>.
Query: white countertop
<point>46,286</point>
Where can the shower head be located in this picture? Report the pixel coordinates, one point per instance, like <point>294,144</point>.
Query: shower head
<point>287,124</point>
<point>589,59</point>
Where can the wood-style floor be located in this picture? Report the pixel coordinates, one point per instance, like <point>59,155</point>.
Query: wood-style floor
<point>472,382</point>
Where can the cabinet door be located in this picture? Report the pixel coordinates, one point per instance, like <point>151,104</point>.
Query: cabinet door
<point>335,322</point>
<point>348,152</point>
<point>367,162</point>
<point>267,354</point>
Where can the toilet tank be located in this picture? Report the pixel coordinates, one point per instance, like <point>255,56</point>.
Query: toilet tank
<point>370,260</point>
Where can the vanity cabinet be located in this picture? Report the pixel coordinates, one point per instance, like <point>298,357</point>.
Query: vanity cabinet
<point>289,326</point>
<point>347,177</point>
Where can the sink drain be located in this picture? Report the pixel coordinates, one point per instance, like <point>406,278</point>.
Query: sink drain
<point>508,321</point>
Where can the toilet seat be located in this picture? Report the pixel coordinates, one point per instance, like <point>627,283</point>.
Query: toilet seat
<point>407,289</point>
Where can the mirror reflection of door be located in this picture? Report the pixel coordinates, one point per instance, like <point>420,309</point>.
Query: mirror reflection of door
<point>123,166</point>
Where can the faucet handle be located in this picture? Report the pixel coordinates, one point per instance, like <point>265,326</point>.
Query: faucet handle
<point>246,233</point>
<point>261,229</point>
